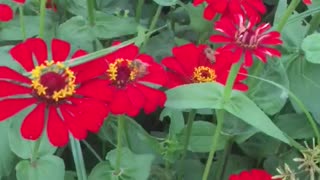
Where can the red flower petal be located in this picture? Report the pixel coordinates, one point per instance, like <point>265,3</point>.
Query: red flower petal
<point>56,130</point>
<point>32,126</point>
<point>9,74</point>
<point>85,71</point>
<point>10,89</point>
<point>154,98</point>
<point>197,2</point>
<point>129,52</point>
<point>10,107</point>
<point>307,2</point>
<point>135,96</point>
<point>60,50</point>
<point>97,89</point>
<point>19,1</point>
<point>39,48</point>
<point>220,39</point>
<point>23,56</point>
<point>78,131</point>
<point>209,13</point>
<point>121,103</point>
<point>6,13</point>
<point>248,60</point>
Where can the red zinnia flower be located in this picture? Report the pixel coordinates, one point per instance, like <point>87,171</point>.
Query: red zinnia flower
<point>123,84</point>
<point>192,64</point>
<point>254,174</point>
<point>244,38</point>
<point>6,13</point>
<point>307,2</point>
<point>51,88</point>
<point>228,7</point>
<point>51,5</point>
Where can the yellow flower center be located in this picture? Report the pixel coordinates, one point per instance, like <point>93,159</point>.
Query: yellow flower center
<point>124,71</point>
<point>53,81</point>
<point>204,74</point>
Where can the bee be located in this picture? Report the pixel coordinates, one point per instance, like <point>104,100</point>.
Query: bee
<point>141,68</point>
<point>210,54</point>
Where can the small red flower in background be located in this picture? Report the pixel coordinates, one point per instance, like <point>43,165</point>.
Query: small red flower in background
<point>122,85</point>
<point>243,38</point>
<point>50,87</point>
<point>307,2</point>
<point>6,13</point>
<point>229,7</point>
<point>192,64</point>
<point>254,174</point>
<point>51,5</point>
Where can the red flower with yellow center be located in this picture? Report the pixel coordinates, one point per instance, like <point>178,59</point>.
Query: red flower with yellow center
<point>124,82</point>
<point>243,38</point>
<point>6,13</point>
<point>254,174</point>
<point>200,64</point>
<point>50,87</point>
<point>251,8</point>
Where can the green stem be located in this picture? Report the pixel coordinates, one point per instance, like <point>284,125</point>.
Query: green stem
<point>92,18</point>
<point>78,158</point>
<point>42,18</point>
<point>119,143</point>
<point>314,23</point>
<point>287,13</point>
<point>152,25</point>
<point>191,116</point>
<point>220,115</point>
<point>218,129</point>
<point>35,150</point>
<point>139,10</point>
<point>231,79</point>
<point>223,161</point>
<point>22,23</point>
<point>92,151</point>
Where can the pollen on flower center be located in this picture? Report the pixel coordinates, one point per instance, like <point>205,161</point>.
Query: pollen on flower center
<point>247,39</point>
<point>53,81</point>
<point>124,71</point>
<point>204,74</point>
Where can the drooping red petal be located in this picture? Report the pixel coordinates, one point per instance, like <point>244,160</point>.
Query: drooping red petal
<point>154,98</point>
<point>77,129</point>
<point>9,74</point>
<point>6,13</point>
<point>10,89</point>
<point>10,107</point>
<point>56,129</point>
<point>135,96</point>
<point>39,49</point>
<point>248,60</point>
<point>32,126</point>
<point>209,13</point>
<point>121,103</point>
<point>19,1</point>
<point>23,56</point>
<point>60,50</point>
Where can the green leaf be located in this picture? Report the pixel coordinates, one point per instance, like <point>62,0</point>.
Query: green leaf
<point>133,165</point>
<point>104,29</point>
<point>12,31</point>
<point>201,137</point>
<point>311,48</point>
<point>102,171</point>
<point>191,169</point>
<point>281,7</point>
<point>166,2</point>
<point>160,46</point>
<point>195,96</point>
<point>7,159</point>
<point>295,125</point>
<point>47,167</point>
<point>197,22</point>
<point>268,97</point>
<point>77,32</point>
<point>176,119</point>
<point>260,146</point>
<point>137,139</point>
<point>70,175</point>
<point>305,76</point>
<point>245,109</point>
<point>22,147</point>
